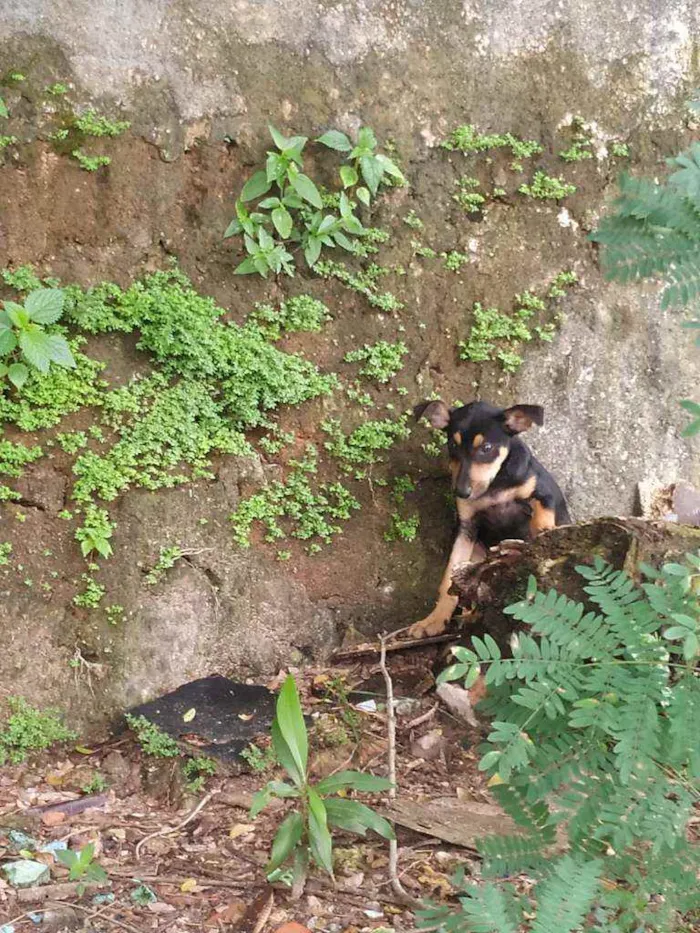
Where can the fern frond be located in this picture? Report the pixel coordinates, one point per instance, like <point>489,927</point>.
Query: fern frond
<point>510,855</point>
<point>681,745</point>
<point>637,726</point>
<point>567,895</point>
<point>489,908</point>
<point>566,624</point>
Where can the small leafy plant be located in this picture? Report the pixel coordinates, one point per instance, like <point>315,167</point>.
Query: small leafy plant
<point>290,209</point>
<point>28,729</point>
<point>82,865</point>
<point>547,188</point>
<point>196,771</point>
<point>151,738</point>
<point>95,532</point>
<point>305,834</point>
<point>381,360</point>
<point>23,333</point>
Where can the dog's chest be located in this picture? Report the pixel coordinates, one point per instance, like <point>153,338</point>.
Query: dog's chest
<point>507,520</point>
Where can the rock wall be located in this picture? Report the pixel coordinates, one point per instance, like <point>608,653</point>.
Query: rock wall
<point>199,80</point>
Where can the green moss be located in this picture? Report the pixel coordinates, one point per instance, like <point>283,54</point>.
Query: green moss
<point>364,283</point>
<point>381,360</point>
<point>92,123</point>
<point>468,139</point>
<point>402,528</point>
<point>27,729</point>
<point>310,510</point>
<point>363,446</point>
<point>467,197</point>
<point>57,89</point>
<point>413,220</point>
<point>5,553</point>
<point>453,261</point>
<point>496,336</point>
<point>547,188</point>
<point>151,738</point>
<point>300,314</point>
<point>90,163</point>
<point>167,558</point>
<point>92,595</point>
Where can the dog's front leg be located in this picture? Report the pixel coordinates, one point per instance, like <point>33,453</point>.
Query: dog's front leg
<point>434,624</point>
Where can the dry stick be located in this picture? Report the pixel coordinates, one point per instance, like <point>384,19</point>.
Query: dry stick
<point>100,914</point>
<point>396,885</point>
<point>168,830</point>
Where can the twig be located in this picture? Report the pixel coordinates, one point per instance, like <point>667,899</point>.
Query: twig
<point>349,654</point>
<point>100,914</point>
<point>168,830</point>
<point>396,885</point>
<point>419,720</point>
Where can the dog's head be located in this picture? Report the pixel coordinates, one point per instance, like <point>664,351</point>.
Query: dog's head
<point>479,439</point>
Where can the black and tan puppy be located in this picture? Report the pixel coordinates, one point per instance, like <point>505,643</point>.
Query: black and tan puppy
<point>502,490</point>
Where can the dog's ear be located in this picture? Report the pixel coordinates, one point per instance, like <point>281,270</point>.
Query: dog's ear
<point>521,417</point>
<point>437,413</point>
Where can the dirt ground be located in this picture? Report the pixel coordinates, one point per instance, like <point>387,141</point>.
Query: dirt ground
<point>206,871</point>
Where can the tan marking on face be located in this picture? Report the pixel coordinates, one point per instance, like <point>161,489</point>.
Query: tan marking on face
<point>454,471</point>
<point>457,437</point>
<point>481,475</point>
<point>478,440</point>
<point>543,519</point>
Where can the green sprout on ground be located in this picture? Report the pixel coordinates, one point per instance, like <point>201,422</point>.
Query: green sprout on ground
<point>381,360</point>
<point>27,729</point>
<point>151,738</point>
<point>90,163</point>
<point>547,188</point>
<point>316,809</point>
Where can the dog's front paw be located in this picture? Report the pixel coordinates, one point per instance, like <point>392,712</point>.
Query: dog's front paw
<point>428,627</point>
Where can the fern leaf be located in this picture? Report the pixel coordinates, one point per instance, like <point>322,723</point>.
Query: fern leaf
<point>565,898</point>
<point>637,727</point>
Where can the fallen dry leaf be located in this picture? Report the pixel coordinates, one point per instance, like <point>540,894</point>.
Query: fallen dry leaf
<point>53,818</point>
<point>240,829</point>
<point>292,927</point>
<point>188,885</point>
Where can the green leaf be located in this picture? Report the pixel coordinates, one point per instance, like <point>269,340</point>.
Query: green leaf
<point>246,267</point>
<point>8,341</point>
<point>334,139</point>
<point>268,203</point>
<point>348,176</point>
<point>45,305</point>
<point>327,223</point>
<point>489,760</point>
<point>312,250</point>
<point>286,143</point>
<point>319,838</point>
<point>390,167</point>
<point>357,818</point>
<point>4,112</point>
<point>59,351</point>
<point>453,672</point>
<point>286,840</point>
<point>343,241</point>
<point>372,172</point>
<point>233,228</point>
<point>306,189</point>
<point>690,646</point>
<point>18,374</point>
<point>363,195</point>
<point>36,346</point>
<point>292,727</point>
<point>283,222</point>
<point>692,407</point>
<point>472,676</point>
<point>366,138</point>
<point>355,779</point>
<point>257,185</point>
<point>16,313</point>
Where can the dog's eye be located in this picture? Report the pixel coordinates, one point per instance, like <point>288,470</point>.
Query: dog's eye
<point>486,447</point>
